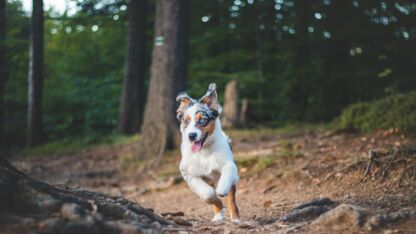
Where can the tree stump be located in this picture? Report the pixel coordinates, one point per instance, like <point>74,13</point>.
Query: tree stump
<point>230,110</point>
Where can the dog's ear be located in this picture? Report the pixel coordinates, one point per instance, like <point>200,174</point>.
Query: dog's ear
<point>184,101</point>
<point>211,99</point>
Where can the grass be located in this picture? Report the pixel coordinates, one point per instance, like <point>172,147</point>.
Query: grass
<point>263,163</point>
<point>396,111</point>
<point>72,145</point>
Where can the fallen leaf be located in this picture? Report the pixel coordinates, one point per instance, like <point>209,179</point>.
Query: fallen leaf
<point>267,204</point>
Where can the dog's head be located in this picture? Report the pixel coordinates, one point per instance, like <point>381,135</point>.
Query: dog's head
<point>198,117</point>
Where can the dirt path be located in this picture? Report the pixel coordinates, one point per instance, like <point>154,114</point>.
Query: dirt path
<point>278,171</point>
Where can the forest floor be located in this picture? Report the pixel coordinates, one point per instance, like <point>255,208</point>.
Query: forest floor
<point>279,169</point>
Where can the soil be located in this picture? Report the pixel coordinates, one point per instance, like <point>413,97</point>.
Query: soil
<point>278,171</point>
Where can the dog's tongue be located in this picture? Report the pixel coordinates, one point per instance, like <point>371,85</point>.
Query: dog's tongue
<point>196,146</point>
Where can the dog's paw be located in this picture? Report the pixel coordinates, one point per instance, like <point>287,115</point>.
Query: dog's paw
<point>221,195</point>
<point>219,217</point>
<point>235,221</point>
<point>221,192</point>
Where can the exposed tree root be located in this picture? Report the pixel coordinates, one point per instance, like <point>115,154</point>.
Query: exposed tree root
<point>386,161</point>
<point>381,162</point>
<point>308,211</point>
<point>35,205</point>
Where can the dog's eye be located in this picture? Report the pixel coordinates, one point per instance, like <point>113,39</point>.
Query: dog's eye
<point>202,121</point>
<point>186,122</point>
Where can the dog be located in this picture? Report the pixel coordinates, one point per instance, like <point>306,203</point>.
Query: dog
<point>207,162</point>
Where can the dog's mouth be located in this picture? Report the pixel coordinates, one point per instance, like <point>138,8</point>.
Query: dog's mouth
<point>197,145</point>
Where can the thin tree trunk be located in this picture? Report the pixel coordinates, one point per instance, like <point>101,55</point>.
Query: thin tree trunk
<point>132,98</point>
<point>35,77</point>
<point>168,76</point>
<point>3,74</point>
<point>230,111</point>
<point>302,56</point>
<point>243,112</point>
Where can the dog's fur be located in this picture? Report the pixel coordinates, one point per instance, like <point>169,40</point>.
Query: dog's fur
<point>207,160</point>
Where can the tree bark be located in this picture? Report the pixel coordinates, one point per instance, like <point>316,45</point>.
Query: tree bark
<point>230,111</point>
<point>168,76</point>
<point>3,73</point>
<point>35,77</point>
<point>132,98</point>
<point>302,57</point>
<point>243,112</point>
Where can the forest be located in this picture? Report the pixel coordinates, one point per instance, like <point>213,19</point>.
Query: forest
<point>315,94</point>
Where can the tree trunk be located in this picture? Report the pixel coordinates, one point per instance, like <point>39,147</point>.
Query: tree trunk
<point>302,57</point>
<point>230,111</point>
<point>52,209</point>
<point>3,74</point>
<point>168,75</point>
<point>132,98</point>
<point>243,112</point>
<point>35,77</point>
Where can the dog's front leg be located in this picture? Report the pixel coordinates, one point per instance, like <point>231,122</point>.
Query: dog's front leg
<point>207,193</point>
<point>229,177</point>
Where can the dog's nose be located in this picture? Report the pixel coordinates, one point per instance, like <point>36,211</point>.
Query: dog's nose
<point>192,136</point>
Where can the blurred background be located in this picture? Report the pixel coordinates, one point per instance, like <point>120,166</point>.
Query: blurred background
<point>293,62</point>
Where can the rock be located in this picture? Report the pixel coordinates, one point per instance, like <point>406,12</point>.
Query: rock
<point>247,224</point>
<point>342,218</point>
<point>382,220</point>
<point>76,213</point>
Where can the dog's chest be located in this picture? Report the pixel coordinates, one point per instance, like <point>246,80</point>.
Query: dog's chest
<point>203,166</point>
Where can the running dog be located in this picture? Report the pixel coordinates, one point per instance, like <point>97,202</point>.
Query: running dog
<point>207,163</point>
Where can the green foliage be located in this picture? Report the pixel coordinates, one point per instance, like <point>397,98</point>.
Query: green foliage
<point>263,163</point>
<point>291,66</point>
<point>395,111</point>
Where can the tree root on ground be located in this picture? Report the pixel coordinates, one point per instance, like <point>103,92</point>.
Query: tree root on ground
<point>28,205</point>
<point>386,161</point>
<point>381,162</point>
<point>308,210</point>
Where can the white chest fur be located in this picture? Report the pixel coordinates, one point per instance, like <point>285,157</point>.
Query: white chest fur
<point>214,159</point>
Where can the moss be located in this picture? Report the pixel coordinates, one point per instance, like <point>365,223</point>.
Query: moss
<point>263,163</point>
<point>397,111</point>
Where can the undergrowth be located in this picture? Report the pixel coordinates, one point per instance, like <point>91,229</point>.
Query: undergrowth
<point>396,111</point>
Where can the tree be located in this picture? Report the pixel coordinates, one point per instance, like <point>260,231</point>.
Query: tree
<point>132,98</point>
<point>230,110</point>
<point>168,76</point>
<point>35,77</point>
<point>3,74</point>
